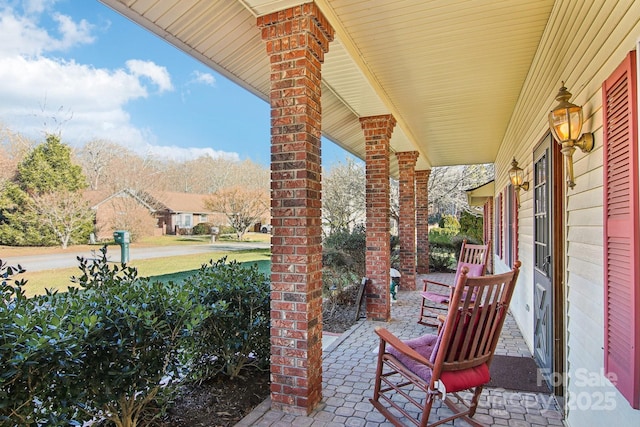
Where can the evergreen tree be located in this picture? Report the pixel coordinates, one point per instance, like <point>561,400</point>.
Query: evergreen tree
<point>43,206</point>
<point>48,168</point>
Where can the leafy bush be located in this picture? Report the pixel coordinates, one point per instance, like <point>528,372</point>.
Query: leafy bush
<point>103,352</point>
<point>471,226</point>
<point>444,249</point>
<point>202,228</point>
<point>38,353</point>
<point>346,250</point>
<point>106,352</point>
<point>450,224</point>
<point>236,332</point>
<point>133,346</point>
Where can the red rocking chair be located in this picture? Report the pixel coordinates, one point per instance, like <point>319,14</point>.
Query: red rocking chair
<point>436,295</point>
<point>440,366</point>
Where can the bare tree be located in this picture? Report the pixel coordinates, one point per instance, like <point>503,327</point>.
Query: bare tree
<point>243,207</point>
<point>65,213</point>
<point>126,213</point>
<point>343,196</point>
<point>448,185</point>
<point>95,157</point>
<point>13,149</point>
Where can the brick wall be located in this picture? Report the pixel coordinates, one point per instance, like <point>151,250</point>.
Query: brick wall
<point>296,40</point>
<point>377,134</point>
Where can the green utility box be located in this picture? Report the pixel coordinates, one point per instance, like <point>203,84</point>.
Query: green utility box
<point>123,239</point>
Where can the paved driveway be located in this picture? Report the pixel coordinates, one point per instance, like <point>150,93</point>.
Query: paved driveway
<point>69,259</point>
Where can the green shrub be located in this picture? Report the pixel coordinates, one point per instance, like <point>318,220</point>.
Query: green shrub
<point>102,352</point>
<point>236,332</point>
<point>133,346</point>
<point>442,251</point>
<point>451,224</point>
<point>108,351</point>
<point>38,352</point>
<point>471,226</point>
<point>202,228</point>
<point>343,249</point>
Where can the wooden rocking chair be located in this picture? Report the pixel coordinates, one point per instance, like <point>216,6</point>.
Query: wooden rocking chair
<point>436,295</point>
<point>439,366</point>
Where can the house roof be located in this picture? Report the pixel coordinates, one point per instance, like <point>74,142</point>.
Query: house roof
<point>180,202</point>
<point>155,201</point>
<point>479,195</point>
<point>449,71</point>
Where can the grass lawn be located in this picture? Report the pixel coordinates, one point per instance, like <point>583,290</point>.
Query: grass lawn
<point>264,266</point>
<point>13,251</point>
<point>60,279</point>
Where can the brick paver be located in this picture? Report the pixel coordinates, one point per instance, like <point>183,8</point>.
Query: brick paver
<point>349,371</point>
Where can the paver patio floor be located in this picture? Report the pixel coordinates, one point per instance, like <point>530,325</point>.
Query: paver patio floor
<point>349,371</point>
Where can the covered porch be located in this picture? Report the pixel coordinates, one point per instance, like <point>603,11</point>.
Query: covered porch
<point>411,85</point>
<point>349,370</point>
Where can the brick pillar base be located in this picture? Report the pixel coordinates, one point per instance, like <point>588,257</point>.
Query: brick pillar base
<point>297,39</point>
<point>377,133</point>
<point>422,221</point>
<point>407,225</point>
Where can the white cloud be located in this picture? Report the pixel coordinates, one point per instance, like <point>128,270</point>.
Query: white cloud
<point>156,73</point>
<point>204,78</point>
<point>72,33</point>
<point>186,153</point>
<point>22,35</point>
<point>37,6</point>
<point>40,94</point>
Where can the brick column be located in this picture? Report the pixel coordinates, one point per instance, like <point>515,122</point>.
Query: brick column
<point>487,234</point>
<point>296,39</point>
<point>422,221</point>
<point>377,134</point>
<point>407,224</point>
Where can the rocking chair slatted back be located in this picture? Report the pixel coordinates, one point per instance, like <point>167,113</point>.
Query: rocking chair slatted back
<point>456,359</point>
<point>471,329</point>
<point>474,254</point>
<point>436,295</point>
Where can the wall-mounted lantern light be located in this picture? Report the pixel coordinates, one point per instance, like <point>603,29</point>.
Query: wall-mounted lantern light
<point>516,175</point>
<point>566,122</point>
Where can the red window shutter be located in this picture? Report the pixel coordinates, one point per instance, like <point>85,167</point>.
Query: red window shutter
<point>621,230</point>
<point>498,238</point>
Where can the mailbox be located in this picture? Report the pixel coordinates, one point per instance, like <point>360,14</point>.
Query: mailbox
<point>122,238</point>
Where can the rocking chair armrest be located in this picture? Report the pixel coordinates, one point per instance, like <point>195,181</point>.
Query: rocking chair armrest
<point>401,347</point>
<point>426,283</point>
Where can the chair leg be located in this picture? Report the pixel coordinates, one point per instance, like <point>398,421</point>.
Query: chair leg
<point>474,401</point>
<point>427,316</point>
<point>376,389</point>
<point>428,404</point>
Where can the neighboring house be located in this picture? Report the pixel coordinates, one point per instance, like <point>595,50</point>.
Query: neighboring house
<point>163,212</point>
<point>182,211</point>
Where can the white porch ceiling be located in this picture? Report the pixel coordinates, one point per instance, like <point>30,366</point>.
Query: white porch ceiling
<point>450,71</point>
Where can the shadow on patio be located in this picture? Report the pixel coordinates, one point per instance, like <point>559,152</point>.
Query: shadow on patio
<point>349,370</point>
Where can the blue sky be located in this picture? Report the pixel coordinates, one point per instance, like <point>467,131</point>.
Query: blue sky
<point>77,67</point>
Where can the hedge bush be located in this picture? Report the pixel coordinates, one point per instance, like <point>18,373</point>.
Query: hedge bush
<point>236,334</point>
<point>202,228</point>
<point>107,351</point>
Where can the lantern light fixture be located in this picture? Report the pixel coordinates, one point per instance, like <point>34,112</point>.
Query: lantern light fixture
<point>566,121</point>
<point>516,176</point>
